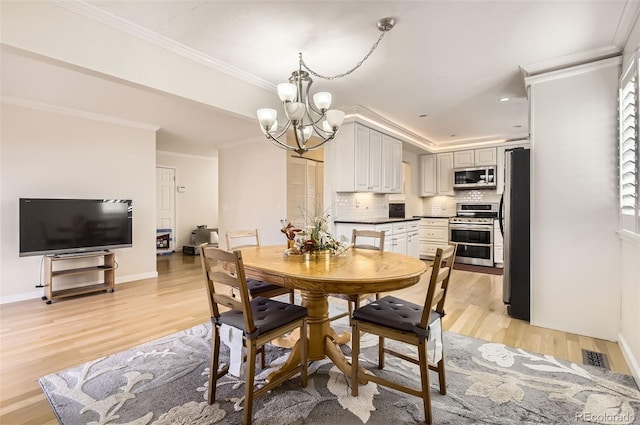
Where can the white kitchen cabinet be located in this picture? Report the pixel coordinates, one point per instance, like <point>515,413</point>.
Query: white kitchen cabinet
<point>463,159</point>
<point>396,165</point>
<point>485,156</point>
<point>444,176</point>
<point>387,166</point>
<point>474,158</point>
<point>428,174</point>
<point>433,233</point>
<point>500,162</point>
<point>367,163</point>
<point>399,237</point>
<point>413,239</point>
<point>396,237</point>
<point>436,174</point>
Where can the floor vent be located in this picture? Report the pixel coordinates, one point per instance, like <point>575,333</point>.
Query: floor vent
<point>594,358</point>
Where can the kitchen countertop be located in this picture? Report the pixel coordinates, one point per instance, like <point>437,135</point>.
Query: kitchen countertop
<point>382,220</point>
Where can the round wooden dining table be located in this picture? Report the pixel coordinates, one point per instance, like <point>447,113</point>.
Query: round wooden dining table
<point>356,271</point>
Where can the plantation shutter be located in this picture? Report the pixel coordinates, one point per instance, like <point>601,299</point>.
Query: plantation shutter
<point>628,151</point>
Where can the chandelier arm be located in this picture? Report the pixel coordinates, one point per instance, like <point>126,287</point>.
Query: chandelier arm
<point>321,143</point>
<point>282,131</point>
<point>301,147</point>
<point>278,143</point>
<point>344,74</point>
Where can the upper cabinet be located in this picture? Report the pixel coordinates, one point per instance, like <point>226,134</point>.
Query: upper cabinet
<point>474,157</point>
<point>437,174</point>
<point>428,173</point>
<point>370,161</point>
<point>444,180</point>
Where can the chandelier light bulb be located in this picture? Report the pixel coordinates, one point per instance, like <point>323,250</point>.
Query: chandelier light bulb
<point>306,132</point>
<point>294,110</point>
<point>287,92</point>
<point>267,117</point>
<point>335,118</point>
<point>322,100</point>
<point>272,129</point>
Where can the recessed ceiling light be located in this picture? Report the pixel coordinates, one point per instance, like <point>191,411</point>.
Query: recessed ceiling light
<point>517,126</point>
<point>504,99</point>
<point>423,115</point>
<point>452,135</point>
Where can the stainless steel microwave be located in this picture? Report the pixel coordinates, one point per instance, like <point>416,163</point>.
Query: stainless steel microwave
<point>474,178</point>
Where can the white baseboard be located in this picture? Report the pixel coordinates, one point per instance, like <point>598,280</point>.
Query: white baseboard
<point>132,277</point>
<point>39,293</point>
<point>22,296</point>
<point>630,358</point>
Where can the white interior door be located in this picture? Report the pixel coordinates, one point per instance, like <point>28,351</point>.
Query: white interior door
<point>166,202</point>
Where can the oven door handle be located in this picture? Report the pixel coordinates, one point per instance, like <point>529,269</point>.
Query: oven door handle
<point>473,227</point>
<point>475,244</point>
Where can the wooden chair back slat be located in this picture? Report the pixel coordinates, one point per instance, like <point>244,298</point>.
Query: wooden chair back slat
<point>216,264</point>
<point>438,282</point>
<point>242,238</point>
<point>378,237</point>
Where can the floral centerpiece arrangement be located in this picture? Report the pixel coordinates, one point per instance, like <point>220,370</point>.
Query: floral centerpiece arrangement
<point>315,238</point>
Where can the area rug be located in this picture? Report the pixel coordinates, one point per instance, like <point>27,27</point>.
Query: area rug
<point>165,382</point>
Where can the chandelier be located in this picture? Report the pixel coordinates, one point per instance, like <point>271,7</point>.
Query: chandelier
<point>305,117</point>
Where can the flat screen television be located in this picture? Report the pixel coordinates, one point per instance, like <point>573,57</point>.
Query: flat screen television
<point>65,226</point>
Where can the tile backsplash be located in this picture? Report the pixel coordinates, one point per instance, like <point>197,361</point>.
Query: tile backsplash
<point>446,205</point>
<point>354,206</point>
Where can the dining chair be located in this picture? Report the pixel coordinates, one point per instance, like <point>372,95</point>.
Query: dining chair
<point>244,238</point>
<point>260,319</point>
<point>410,323</point>
<point>375,241</point>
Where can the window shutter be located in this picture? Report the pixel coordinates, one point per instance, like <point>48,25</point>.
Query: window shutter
<point>628,151</point>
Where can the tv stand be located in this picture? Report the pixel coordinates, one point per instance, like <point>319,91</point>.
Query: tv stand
<point>107,267</point>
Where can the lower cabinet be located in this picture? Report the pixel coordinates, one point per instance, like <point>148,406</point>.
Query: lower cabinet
<point>433,234</point>
<point>400,237</point>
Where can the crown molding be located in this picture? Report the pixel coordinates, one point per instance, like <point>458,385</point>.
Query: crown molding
<point>361,114</point>
<point>188,155</point>
<point>629,17</point>
<point>77,113</point>
<point>569,61</point>
<point>98,15</point>
<point>573,71</point>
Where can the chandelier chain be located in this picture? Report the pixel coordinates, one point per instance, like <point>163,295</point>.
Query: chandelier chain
<point>344,74</point>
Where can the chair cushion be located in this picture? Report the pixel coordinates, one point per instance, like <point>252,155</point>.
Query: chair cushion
<point>395,313</point>
<point>268,315</point>
<point>257,287</point>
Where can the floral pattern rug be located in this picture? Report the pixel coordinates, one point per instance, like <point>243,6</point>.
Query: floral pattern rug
<point>165,382</point>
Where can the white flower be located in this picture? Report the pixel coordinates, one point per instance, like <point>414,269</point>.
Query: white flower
<point>498,354</point>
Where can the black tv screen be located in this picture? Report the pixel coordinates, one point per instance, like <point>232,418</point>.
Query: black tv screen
<point>58,226</point>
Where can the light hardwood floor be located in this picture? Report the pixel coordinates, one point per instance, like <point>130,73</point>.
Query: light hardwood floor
<point>37,339</point>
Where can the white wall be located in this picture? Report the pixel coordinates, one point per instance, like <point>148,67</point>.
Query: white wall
<point>575,284</point>
<point>629,337</point>
<point>253,190</point>
<point>199,203</point>
<point>47,154</point>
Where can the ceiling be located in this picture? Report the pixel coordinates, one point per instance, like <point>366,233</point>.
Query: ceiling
<point>438,74</point>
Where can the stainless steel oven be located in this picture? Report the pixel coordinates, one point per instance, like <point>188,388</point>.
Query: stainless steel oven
<point>472,229</point>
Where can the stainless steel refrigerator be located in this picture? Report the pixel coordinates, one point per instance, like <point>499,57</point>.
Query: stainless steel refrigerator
<point>514,216</point>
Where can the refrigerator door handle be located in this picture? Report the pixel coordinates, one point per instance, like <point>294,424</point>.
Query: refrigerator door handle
<point>501,215</point>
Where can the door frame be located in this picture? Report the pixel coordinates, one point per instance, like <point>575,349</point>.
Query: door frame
<point>175,202</point>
